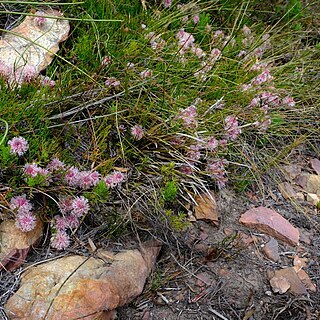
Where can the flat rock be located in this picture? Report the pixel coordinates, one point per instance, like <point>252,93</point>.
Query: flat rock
<point>15,244</point>
<point>292,170</point>
<point>77,287</point>
<point>271,250</point>
<point>30,47</point>
<point>296,285</point>
<point>279,284</point>
<point>287,190</point>
<point>272,223</point>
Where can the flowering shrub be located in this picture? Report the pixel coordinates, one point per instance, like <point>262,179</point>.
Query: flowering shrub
<point>173,90</point>
<point>71,208</point>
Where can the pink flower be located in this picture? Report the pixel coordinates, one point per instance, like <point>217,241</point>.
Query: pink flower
<point>112,180</point>
<point>80,206</point>
<point>218,34</point>
<point>106,61</point>
<point>263,124</point>
<point>118,177</point>
<point>65,205</point>
<point>265,76</point>
<point>72,176</point>
<point>288,101</point>
<point>18,145</point>
<point>109,181</point>
<point>55,165</point>
<point>137,132</point>
<point>72,221</point>
<point>21,203</point>
<point>186,169</point>
<point>31,169</point>
<point>25,221</point>
<point>193,153</point>
<point>212,144</point>
<point>145,74</point>
<point>47,82</point>
<point>25,74</point>
<point>167,3</point>
<point>246,30</point>
<point>40,20</point>
<point>60,223</point>
<point>216,169</point>
<point>60,240</point>
<point>188,116</point>
<point>196,19</point>
<point>185,40</point>
<point>112,82</point>
<point>88,179</point>
<point>231,127</point>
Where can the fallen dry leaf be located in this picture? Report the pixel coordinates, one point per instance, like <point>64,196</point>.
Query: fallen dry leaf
<point>78,287</point>
<point>206,208</point>
<point>16,244</point>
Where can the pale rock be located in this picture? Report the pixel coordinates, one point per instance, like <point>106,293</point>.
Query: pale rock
<point>77,287</point>
<point>313,198</point>
<point>29,48</point>
<point>313,184</point>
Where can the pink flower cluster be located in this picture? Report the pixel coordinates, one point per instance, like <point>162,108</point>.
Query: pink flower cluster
<point>46,81</point>
<point>31,170</point>
<point>112,180</point>
<point>263,77</point>
<point>207,65</point>
<point>216,169</point>
<point>185,41</point>
<point>72,209</point>
<point>82,179</point>
<point>18,145</point>
<point>189,116</point>
<point>25,219</point>
<point>232,128</point>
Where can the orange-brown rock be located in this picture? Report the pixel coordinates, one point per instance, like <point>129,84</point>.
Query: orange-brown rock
<point>77,287</point>
<point>272,223</point>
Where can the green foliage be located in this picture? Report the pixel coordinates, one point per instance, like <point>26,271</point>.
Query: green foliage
<point>177,220</point>
<point>170,191</point>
